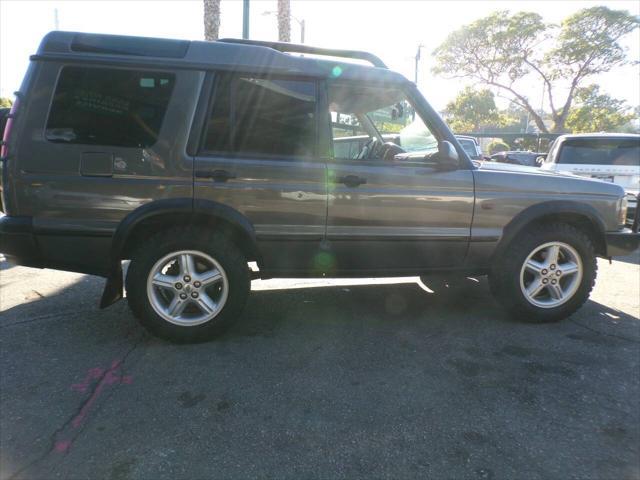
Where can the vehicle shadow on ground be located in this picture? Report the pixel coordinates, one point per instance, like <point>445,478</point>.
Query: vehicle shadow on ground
<point>290,307</point>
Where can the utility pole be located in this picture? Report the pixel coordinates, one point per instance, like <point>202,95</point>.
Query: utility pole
<point>56,22</point>
<point>245,19</point>
<point>302,27</point>
<point>417,61</point>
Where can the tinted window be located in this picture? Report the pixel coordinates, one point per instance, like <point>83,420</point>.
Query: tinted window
<point>601,152</point>
<point>262,116</point>
<point>109,107</point>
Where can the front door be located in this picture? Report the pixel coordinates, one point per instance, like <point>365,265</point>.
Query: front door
<point>387,215</point>
<point>259,157</point>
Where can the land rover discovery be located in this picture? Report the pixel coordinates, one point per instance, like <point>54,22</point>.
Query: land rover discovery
<point>192,159</point>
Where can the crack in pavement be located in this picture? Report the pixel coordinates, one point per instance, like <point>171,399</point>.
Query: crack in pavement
<point>63,437</point>
<point>613,335</point>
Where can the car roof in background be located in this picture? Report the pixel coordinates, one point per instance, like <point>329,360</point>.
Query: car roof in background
<point>234,55</point>
<point>594,136</point>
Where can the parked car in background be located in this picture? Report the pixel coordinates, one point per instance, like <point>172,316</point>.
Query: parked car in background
<point>194,159</point>
<point>471,146</point>
<point>528,159</point>
<point>611,157</point>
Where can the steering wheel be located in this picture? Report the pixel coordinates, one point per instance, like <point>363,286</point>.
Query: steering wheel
<point>390,150</point>
<point>369,149</point>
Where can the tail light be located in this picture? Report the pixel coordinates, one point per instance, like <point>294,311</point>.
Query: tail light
<point>8,126</point>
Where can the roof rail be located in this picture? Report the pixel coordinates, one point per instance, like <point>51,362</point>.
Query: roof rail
<point>297,48</point>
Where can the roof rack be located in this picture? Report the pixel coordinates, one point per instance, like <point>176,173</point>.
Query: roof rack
<point>297,48</point>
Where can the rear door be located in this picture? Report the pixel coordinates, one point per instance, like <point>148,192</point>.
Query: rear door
<point>259,155</point>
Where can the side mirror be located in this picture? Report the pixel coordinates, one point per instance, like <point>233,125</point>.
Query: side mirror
<point>446,158</point>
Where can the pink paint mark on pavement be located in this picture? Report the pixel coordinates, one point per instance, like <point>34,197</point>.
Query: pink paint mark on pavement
<point>64,439</point>
<point>62,446</point>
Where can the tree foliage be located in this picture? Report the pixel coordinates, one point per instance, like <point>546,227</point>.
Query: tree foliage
<point>597,112</point>
<point>500,50</point>
<point>5,102</point>
<point>471,110</point>
<point>496,146</point>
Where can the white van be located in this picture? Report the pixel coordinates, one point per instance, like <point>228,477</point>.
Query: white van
<point>611,157</point>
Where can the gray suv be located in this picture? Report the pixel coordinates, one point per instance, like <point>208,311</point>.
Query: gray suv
<point>193,159</point>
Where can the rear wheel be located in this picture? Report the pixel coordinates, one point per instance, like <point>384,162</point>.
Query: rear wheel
<point>187,285</point>
<point>546,273</point>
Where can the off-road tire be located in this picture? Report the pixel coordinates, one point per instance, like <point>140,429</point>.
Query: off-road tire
<point>215,244</point>
<point>504,279</point>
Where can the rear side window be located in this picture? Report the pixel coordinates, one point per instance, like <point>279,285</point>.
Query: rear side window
<point>260,116</point>
<point>617,152</point>
<point>99,106</point>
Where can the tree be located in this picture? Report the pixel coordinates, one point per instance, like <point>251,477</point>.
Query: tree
<point>211,19</point>
<point>284,20</point>
<point>472,109</point>
<point>597,112</point>
<point>502,49</point>
<point>5,102</point>
<point>496,146</point>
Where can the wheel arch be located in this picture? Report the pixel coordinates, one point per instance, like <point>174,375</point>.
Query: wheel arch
<point>160,214</point>
<point>155,216</point>
<point>579,215</point>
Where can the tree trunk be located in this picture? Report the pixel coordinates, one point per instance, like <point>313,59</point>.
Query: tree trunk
<point>284,20</point>
<point>211,19</point>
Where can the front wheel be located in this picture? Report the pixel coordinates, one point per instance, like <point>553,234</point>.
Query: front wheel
<point>546,273</point>
<point>187,285</point>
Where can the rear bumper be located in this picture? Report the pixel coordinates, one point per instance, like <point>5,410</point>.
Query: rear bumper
<point>17,241</point>
<point>622,242</point>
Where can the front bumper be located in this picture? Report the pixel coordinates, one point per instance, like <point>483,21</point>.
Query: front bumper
<point>622,243</point>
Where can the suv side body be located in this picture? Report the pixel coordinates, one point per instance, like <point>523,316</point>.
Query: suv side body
<point>121,147</point>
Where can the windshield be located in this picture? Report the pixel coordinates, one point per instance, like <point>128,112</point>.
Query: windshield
<point>616,152</point>
<point>416,137</point>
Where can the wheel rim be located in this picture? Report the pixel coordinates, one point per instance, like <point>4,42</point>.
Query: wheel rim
<point>551,275</point>
<point>187,288</point>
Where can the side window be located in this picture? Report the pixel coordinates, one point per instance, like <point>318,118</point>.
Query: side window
<point>99,106</point>
<point>361,114</point>
<point>262,116</point>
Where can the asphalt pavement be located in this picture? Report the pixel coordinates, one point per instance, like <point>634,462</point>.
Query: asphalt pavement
<point>321,379</point>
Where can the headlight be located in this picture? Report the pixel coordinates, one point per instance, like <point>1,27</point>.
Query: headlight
<point>622,211</point>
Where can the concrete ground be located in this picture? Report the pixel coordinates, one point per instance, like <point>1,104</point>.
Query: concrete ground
<point>364,379</point>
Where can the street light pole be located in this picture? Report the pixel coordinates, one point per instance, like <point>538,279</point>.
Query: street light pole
<point>245,19</point>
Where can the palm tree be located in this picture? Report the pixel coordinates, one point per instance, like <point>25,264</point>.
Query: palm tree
<point>284,20</point>
<point>211,19</point>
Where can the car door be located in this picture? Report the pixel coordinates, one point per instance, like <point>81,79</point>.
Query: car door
<point>259,156</point>
<point>386,215</point>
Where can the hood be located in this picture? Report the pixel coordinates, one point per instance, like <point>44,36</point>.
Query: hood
<point>510,167</point>
<point>518,178</point>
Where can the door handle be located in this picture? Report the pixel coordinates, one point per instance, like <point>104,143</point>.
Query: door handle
<point>351,180</point>
<point>217,175</point>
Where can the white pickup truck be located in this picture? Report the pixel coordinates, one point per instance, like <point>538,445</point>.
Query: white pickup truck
<point>611,157</point>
